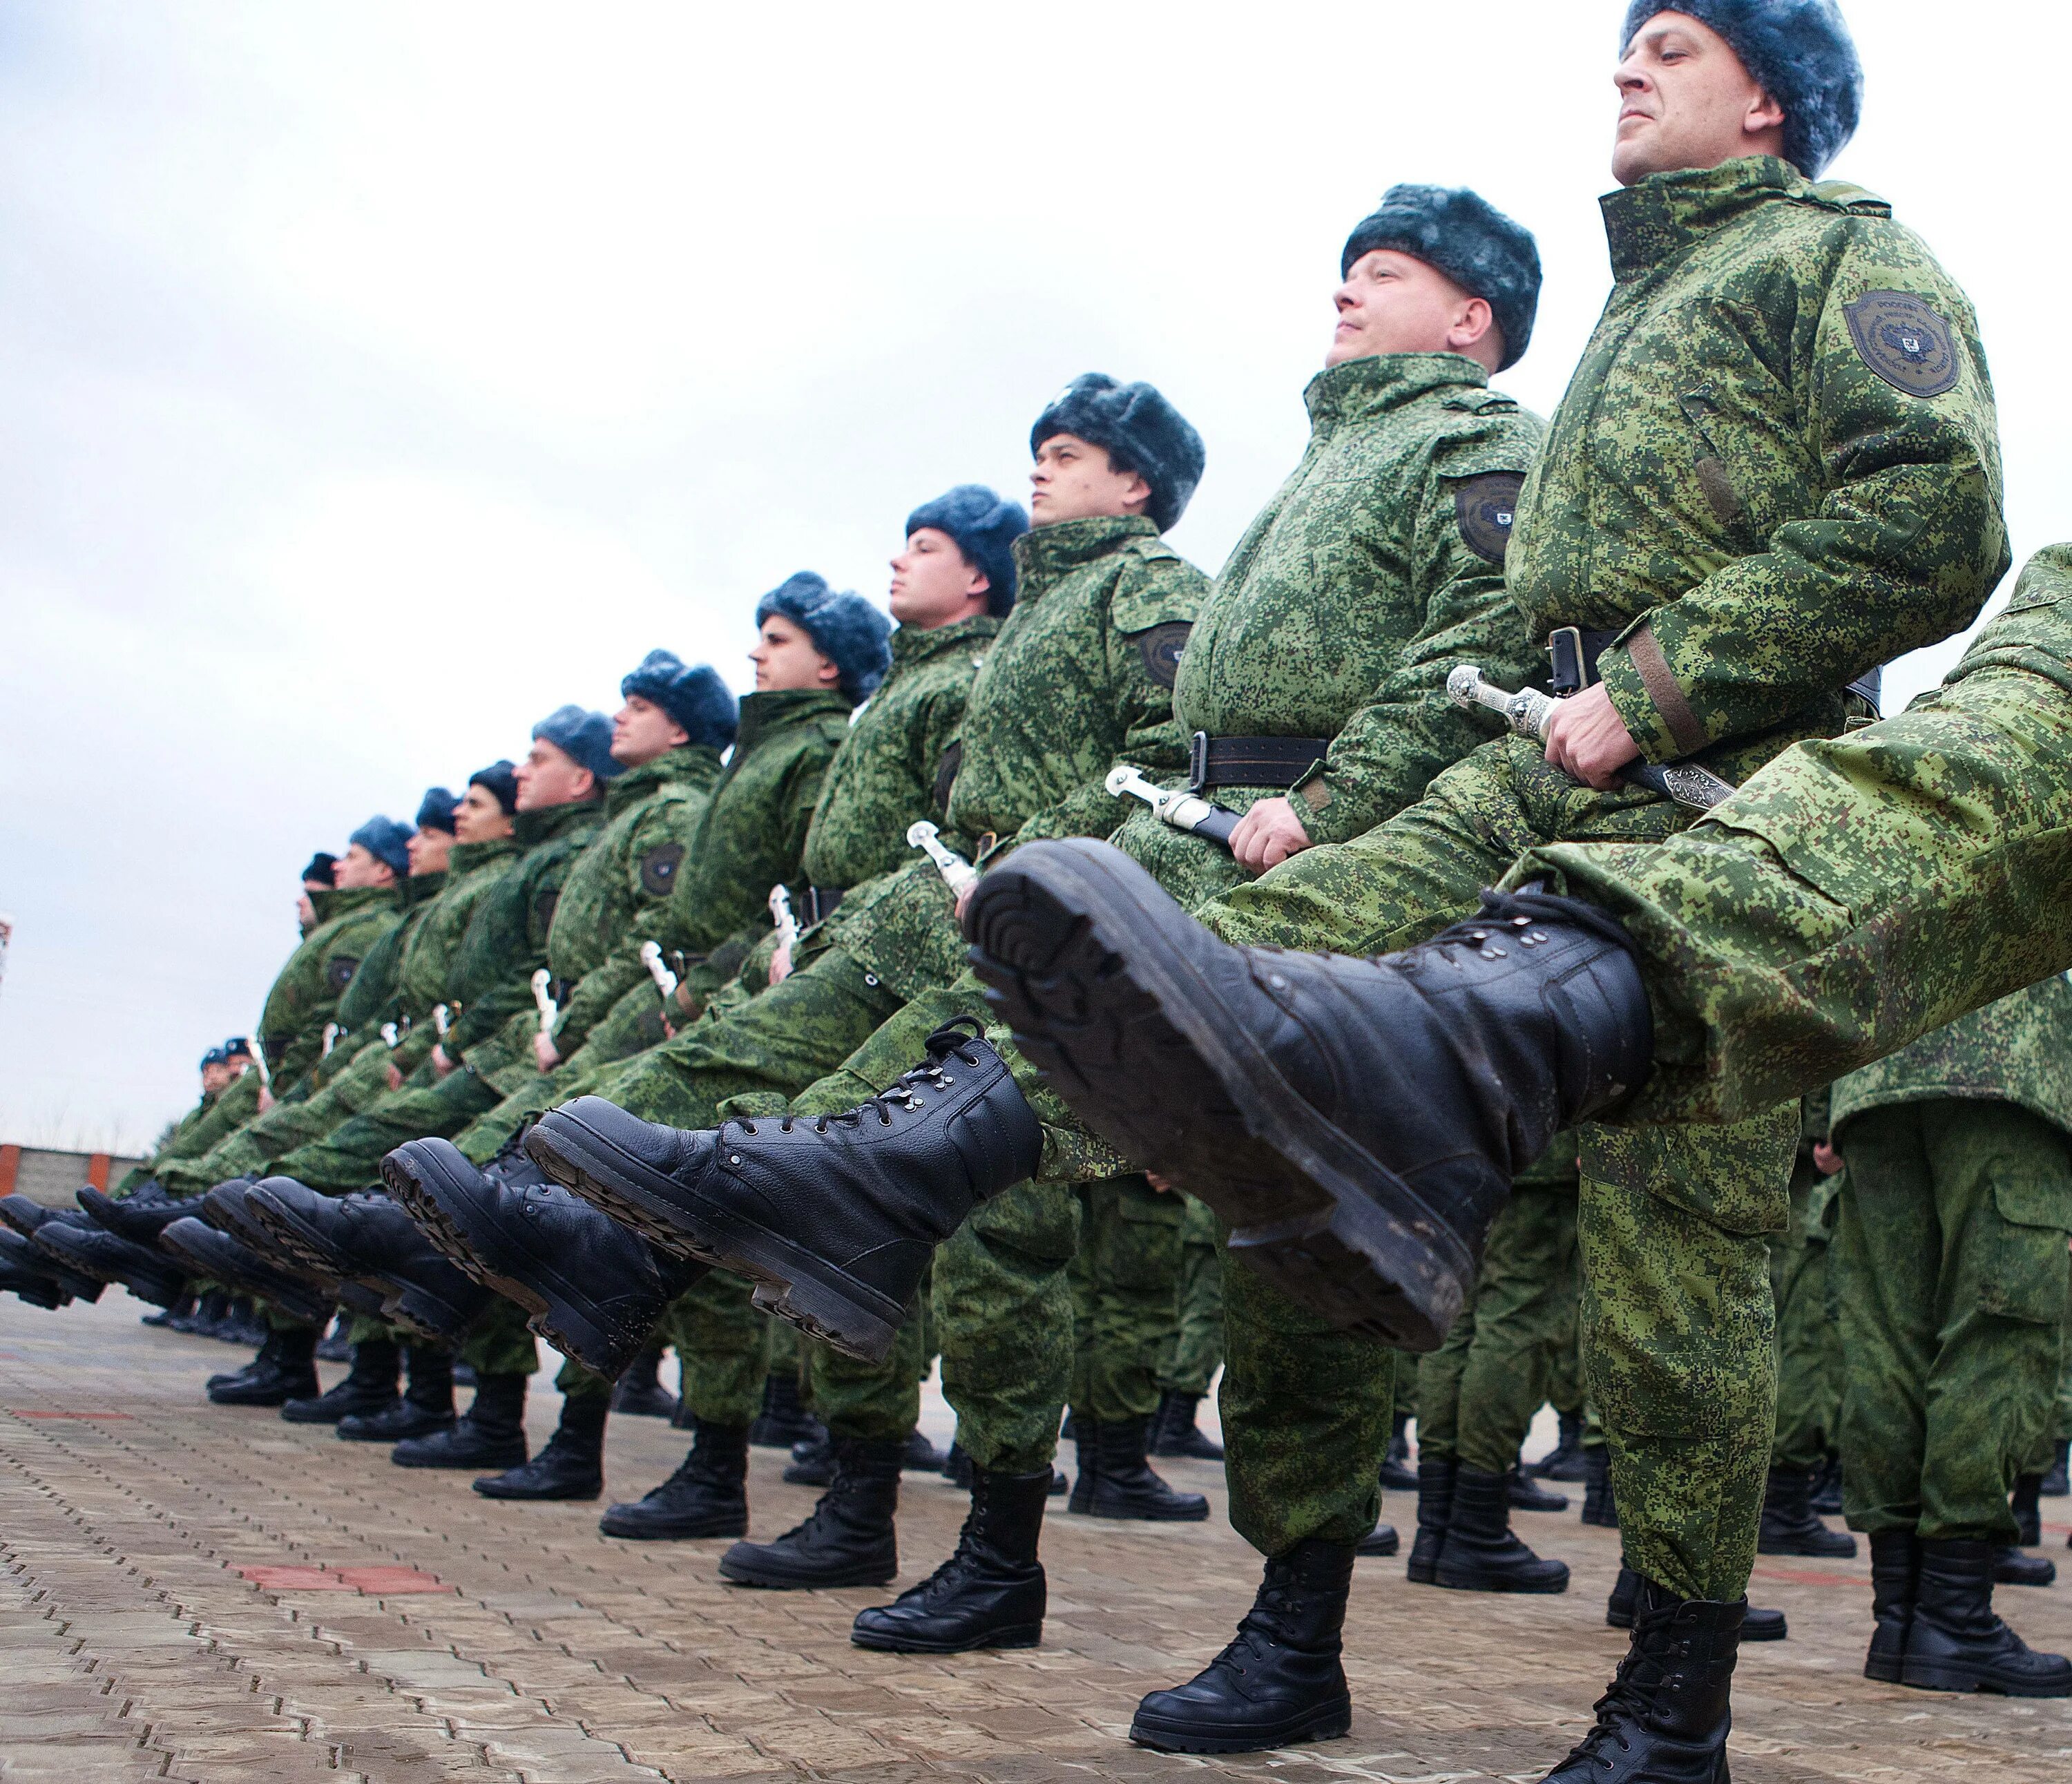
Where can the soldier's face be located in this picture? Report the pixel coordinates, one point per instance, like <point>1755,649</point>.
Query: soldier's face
<point>1687,100</point>
<point>1393,302</point>
<point>480,818</point>
<point>358,867</point>
<point>214,1077</point>
<point>306,909</point>
<point>1073,479</point>
<point>933,582</point>
<point>641,731</point>
<point>429,849</point>
<point>787,660</point>
<point>550,776</point>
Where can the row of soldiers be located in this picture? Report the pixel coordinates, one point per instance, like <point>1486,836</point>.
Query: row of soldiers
<point>1279,984</point>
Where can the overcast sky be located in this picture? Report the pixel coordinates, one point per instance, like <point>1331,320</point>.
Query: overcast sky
<point>379,377</point>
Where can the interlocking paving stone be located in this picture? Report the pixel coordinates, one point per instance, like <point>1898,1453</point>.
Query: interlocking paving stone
<point>150,1627</point>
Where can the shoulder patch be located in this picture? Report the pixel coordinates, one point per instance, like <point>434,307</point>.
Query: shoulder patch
<point>1485,508</point>
<point>338,974</point>
<point>1902,339</point>
<point>658,868</point>
<point>1161,646</point>
<point>543,908</point>
<point>946,773</point>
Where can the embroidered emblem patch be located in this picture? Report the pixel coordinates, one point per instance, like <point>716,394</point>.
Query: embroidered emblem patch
<point>658,868</point>
<point>1902,339</point>
<point>1485,507</point>
<point>1161,646</point>
<point>340,972</point>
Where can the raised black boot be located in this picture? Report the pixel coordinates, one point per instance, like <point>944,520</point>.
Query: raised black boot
<point>784,1423</point>
<point>1480,1553</point>
<point>849,1540</point>
<point>1600,1507</point>
<point>834,1217</point>
<point>1788,1526</point>
<point>1564,1461</point>
<point>1435,1512</point>
<point>1624,1604</point>
<point>48,1280</point>
<point>426,1406</point>
<point>989,1594</point>
<point>569,1465</point>
<point>94,1251</point>
<point>369,1387</point>
<point>1956,1643</point>
<point>1397,1475</point>
<point>37,1287</point>
<point>2057,1482</point>
<point>1357,1122</point>
<point>202,1250</point>
<point>1126,1486</point>
<point>291,1375</point>
<point>707,1496</point>
<point>639,1392</point>
<point>1895,1583</point>
<point>492,1435</point>
<point>1176,1433</point>
<point>1279,1680</point>
<point>1529,1495</point>
<point>2028,1512</point>
<point>21,1213</point>
<point>140,1217</point>
<point>1665,1719</point>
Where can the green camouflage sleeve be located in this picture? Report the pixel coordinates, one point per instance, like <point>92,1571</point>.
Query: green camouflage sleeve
<point>651,879</point>
<point>340,962</point>
<point>506,941</point>
<point>1902,548</point>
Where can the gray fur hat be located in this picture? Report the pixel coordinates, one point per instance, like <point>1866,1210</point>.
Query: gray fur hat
<point>697,699</point>
<point>386,841</point>
<point>435,810</point>
<point>985,526</point>
<point>1139,430</point>
<point>500,778</point>
<point>584,737</point>
<point>845,629</point>
<point>1801,54</point>
<point>1469,240</point>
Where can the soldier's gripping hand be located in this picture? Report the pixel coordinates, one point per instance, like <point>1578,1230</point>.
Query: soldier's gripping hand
<point>1588,739</point>
<point>545,1052</point>
<point>1268,834</point>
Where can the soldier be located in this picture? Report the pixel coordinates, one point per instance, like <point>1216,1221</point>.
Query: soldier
<point>321,875</point>
<point>1193,1349</point>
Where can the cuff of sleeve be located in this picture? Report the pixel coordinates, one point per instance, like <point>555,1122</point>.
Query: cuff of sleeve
<point>1322,812</point>
<point>1649,700</point>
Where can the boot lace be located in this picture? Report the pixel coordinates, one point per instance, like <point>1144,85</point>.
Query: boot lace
<point>1631,1693</point>
<point>951,1042</point>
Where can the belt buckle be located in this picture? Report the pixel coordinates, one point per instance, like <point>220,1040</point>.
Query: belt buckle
<point>1571,672</point>
<point>1198,761</point>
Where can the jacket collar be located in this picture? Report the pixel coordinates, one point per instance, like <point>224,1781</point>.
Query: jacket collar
<point>536,827</point>
<point>763,715</point>
<point>910,646</point>
<point>468,856</point>
<point>1364,389</point>
<point>1648,223</point>
<point>635,784</point>
<point>1044,552</point>
<point>332,902</point>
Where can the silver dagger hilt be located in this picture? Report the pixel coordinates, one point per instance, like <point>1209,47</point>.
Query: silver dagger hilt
<point>544,999</point>
<point>1183,811</point>
<point>957,873</point>
<point>1526,712</point>
<point>651,957</point>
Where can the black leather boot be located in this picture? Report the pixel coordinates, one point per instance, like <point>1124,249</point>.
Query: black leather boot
<point>707,1496</point>
<point>140,1217</point>
<point>51,1280</point>
<point>593,1289</point>
<point>2017,1567</point>
<point>1788,1526</point>
<point>36,1287</point>
<point>93,1251</point>
<point>1279,1680</point>
<point>164,1318</point>
<point>1125,1485</point>
<point>369,1387</point>
<point>920,1457</point>
<point>1956,1643</point>
<point>1358,1123</point>
<point>492,1435</point>
<point>989,1594</point>
<point>20,1213</point>
<point>1085,1437</point>
<point>849,1541</point>
<point>812,1463</point>
<point>209,1308</point>
<point>1435,1512</point>
<point>291,1375</point>
<point>639,1392</point>
<point>957,1467</point>
<point>1756,1625</point>
<point>1527,1495</point>
<point>2055,1484</point>
<point>569,1465</point>
<point>1380,1541</point>
<point>1827,1499</point>
<point>834,1217</point>
<point>784,1423</point>
<point>426,1406</point>
<point>334,1346</point>
<point>1895,1583</point>
<point>1397,1475</point>
<point>2028,1512</point>
<point>202,1250</point>
<point>1666,1718</point>
<point>1564,1461</point>
<point>1600,1507</point>
<point>1480,1553</point>
<point>1176,1433</point>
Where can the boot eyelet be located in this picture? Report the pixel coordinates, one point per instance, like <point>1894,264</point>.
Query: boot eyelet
<point>734,1158</point>
<point>1539,934</point>
<point>1495,954</point>
<point>1276,979</point>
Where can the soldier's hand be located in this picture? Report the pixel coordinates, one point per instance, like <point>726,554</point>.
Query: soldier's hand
<point>1825,1160</point>
<point>1268,834</point>
<point>780,964</point>
<point>266,1099</point>
<point>395,1077</point>
<point>441,1064</point>
<point>544,1051</point>
<point>1587,739</point>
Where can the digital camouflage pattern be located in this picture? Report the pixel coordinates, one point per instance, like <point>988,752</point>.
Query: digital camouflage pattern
<point>201,1128</point>
<point>1953,1279</point>
<point>1809,1337</point>
<point>376,994</point>
<point>424,976</point>
<point>1124,1278</point>
<point>304,998</point>
<point>1194,1350</point>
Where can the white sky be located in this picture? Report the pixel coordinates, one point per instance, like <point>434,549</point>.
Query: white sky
<point>380,377</point>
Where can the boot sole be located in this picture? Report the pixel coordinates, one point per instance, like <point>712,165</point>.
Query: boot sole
<point>1188,1516</point>
<point>736,1575</point>
<point>1942,1676</point>
<point>1498,1583</point>
<point>1331,1724</point>
<point>418,1311</point>
<point>585,1492</point>
<point>1018,1635</point>
<point>516,1459</point>
<point>1096,983</point>
<point>790,1282</point>
<point>160,1290</point>
<point>735,1527</point>
<point>298,1300</point>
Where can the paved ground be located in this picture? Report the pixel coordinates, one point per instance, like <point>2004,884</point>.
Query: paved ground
<point>436,1634</point>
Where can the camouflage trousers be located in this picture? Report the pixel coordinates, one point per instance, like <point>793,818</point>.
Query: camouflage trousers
<point>1478,1392</point>
<point>1809,1333</point>
<point>1124,1278</point>
<point>1953,1278</point>
<point>350,1156</point>
<point>362,1082</point>
<point>1194,1351</point>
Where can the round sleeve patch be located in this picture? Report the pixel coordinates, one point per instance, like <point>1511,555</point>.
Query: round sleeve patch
<point>1161,646</point>
<point>658,868</point>
<point>338,975</point>
<point>1485,508</point>
<point>1902,339</point>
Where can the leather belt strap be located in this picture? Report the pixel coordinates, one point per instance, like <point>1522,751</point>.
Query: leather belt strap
<point>1575,651</point>
<point>1252,761</point>
<point>821,902</point>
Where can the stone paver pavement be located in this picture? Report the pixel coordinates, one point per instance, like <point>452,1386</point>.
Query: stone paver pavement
<point>429,1633</point>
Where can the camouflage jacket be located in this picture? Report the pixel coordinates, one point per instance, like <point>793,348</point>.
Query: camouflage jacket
<point>490,980</point>
<point>376,995</point>
<point>899,758</point>
<point>1776,467</point>
<point>2016,1050</point>
<point>615,895</point>
<point>1079,678</point>
<point>425,964</point>
<point>1377,568</point>
<point>304,998</point>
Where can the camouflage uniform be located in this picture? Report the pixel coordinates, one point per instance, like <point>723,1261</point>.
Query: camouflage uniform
<point>1809,1348</point>
<point>1953,1272</point>
<point>304,998</point>
<point>1193,1349</point>
<point>1776,465</point>
<point>1125,1279</point>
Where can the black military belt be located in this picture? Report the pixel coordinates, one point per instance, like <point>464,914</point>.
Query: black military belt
<point>1575,651</point>
<point>821,902</point>
<point>1251,761</point>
